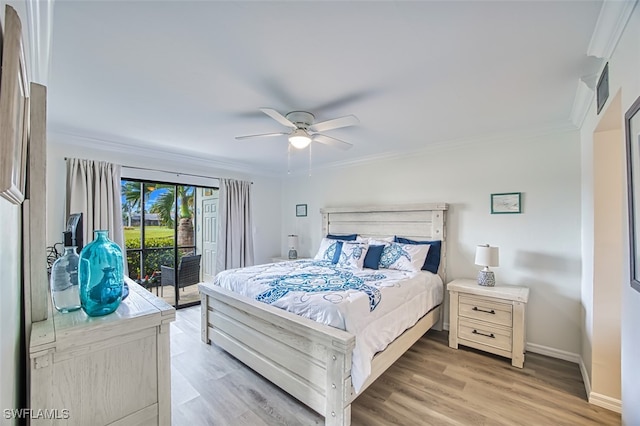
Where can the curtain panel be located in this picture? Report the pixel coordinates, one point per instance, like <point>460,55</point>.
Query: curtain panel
<point>93,189</point>
<point>235,236</point>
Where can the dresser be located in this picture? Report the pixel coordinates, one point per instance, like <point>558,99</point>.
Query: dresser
<point>114,369</point>
<point>491,319</point>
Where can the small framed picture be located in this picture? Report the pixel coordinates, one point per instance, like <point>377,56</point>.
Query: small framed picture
<point>506,203</point>
<point>301,210</point>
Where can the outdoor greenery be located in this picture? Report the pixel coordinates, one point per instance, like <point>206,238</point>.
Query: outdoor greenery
<point>153,258</point>
<point>165,202</point>
<point>131,233</point>
<point>156,237</point>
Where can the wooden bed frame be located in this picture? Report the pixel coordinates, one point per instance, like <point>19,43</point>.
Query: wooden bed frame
<point>309,360</point>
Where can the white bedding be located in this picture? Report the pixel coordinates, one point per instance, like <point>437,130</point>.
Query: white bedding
<point>374,305</point>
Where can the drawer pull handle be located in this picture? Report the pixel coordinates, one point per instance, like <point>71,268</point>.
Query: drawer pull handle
<point>475,308</point>
<point>483,334</point>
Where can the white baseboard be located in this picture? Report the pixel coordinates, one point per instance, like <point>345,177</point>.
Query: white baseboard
<point>553,353</point>
<point>605,402</point>
<point>593,398</point>
<point>585,377</point>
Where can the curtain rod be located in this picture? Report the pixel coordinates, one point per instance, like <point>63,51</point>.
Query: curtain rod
<point>166,171</point>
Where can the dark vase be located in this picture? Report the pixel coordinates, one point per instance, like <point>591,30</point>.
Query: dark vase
<point>101,275</point>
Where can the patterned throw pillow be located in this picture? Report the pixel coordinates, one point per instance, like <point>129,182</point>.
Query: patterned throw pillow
<point>353,254</point>
<point>432,262</point>
<point>404,257</point>
<point>329,250</point>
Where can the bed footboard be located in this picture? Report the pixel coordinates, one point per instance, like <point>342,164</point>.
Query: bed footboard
<point>310,361</point>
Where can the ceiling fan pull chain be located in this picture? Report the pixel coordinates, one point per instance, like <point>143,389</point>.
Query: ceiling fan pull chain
<point>310,159</point>
<point>288,158</point>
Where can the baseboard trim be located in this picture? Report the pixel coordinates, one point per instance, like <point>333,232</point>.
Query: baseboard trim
<point>605,402</point>
<point>593,397</point>
<point>585,377</point>
<point>554,353</point>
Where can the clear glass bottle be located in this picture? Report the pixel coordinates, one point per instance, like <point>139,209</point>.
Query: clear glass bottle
<point>65,290</point>
<point>101,275</point>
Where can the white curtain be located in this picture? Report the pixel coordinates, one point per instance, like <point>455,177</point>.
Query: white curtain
<point>235,236</point>
<point>93,189</point>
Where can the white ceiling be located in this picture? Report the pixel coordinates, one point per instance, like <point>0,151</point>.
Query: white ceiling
<point>188,77</point>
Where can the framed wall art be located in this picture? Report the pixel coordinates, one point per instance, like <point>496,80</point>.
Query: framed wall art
<point>506,203</point>
<point>14,107</point>
<point>301,210</point>
<point>632,132</point>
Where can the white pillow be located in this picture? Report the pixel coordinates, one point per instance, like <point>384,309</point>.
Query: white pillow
<point>327,250</point>
<point>380,241</point>
<point>352,254</point>
<point>404,257</point>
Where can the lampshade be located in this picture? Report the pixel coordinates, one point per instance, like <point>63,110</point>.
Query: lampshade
<point>299,139</point>
<point>292,241</point>
<point>487,255</point>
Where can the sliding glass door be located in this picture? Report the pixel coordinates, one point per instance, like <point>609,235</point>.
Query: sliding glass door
<point>161,238</point>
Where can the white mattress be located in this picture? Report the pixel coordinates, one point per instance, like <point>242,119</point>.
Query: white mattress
<point>374,305</point>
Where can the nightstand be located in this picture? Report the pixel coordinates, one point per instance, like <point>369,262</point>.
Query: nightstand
<point>285,259</point>
<point>490,319</point>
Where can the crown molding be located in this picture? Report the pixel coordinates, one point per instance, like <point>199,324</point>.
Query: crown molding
<point>582,102</point>
<point>39,20</point>
<point>611,22</point>
<point>452,144</point>
<point>139,151</point>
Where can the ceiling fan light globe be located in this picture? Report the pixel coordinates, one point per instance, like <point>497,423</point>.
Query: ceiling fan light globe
<point>299,139</point>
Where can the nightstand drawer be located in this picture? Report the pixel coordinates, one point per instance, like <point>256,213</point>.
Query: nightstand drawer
<point>486,310</point>
<point>485,334</point>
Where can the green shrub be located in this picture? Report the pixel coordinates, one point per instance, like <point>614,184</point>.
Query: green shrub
<point>153,258</point>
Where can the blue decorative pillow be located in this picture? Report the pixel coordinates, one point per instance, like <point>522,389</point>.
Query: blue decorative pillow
<point>432,262</point>
<point>372,259</point>
<point>348,237</point>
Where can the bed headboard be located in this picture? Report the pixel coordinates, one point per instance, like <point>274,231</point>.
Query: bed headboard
<point>415,221</point>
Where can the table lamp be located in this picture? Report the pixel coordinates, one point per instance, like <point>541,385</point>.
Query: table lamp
<point>486,256</point>
<point>293,246</point>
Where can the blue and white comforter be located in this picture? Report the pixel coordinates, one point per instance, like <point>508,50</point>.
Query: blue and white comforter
<point>374,305</point>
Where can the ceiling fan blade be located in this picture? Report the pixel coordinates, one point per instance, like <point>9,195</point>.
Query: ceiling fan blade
<point>260,135</point>
<point>347,120</point>
<point>336,143</point>
<point>278,117</point>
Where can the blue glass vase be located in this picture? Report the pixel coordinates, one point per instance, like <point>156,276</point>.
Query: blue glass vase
<point>101,275</point>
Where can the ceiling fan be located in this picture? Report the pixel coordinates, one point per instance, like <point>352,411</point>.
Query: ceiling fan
<point>303,130</point>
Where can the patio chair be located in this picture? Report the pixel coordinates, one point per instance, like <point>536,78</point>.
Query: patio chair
<point>188,273</point>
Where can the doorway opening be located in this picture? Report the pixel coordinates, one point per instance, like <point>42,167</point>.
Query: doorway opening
<point>170,237</point>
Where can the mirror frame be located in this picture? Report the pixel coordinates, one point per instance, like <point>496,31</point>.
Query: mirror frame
<point>632,136</point>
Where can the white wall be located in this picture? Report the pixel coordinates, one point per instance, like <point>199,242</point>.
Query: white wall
<point>266,191</point>
<point>539,248</point>
<point>607,265</point>
<point>624,79</point>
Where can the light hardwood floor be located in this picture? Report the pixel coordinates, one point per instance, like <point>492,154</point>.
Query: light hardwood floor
<point>189,294</point>
<point>431,384</point>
